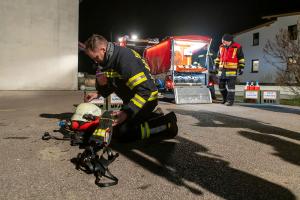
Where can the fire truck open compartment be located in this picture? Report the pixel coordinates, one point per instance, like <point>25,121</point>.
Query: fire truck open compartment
<point>186,59</point>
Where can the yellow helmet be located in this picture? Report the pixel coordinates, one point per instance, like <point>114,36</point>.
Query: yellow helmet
<point>85,108</point>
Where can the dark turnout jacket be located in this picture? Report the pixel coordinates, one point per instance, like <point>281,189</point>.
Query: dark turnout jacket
<point>129,77</point>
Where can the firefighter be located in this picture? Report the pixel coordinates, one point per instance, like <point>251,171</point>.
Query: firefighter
<point>229,63</point>
<point>123,71</point>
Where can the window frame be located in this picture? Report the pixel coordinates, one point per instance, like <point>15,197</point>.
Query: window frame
<point>254,39</point>
<point>252,65</point>
<point>293,35</point>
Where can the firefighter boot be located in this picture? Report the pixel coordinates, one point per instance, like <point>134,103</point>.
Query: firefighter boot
<point>164,127</point>
<point>229,103</point>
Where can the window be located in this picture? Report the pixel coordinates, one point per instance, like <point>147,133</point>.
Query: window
<point>255,39</point>
<point>255,66</point>
<point>291,62</point>
<point>293,32</point>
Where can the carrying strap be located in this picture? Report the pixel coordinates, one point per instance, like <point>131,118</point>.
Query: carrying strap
<point>101,169</point>
<point>47,136</point>
<point>109,176</point>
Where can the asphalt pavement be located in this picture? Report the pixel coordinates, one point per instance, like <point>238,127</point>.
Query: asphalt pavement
<point>247,151</point>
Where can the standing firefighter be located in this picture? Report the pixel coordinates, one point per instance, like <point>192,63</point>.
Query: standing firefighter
<point>230,62</point>
<point>123,71</point>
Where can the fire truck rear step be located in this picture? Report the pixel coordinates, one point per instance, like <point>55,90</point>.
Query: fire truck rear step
<point>192,94</point>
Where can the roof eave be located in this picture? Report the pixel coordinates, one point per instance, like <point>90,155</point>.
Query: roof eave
<point>280,15</point>
<point>254,28</point>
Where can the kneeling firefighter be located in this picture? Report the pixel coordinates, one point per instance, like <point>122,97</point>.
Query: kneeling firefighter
<point>123,71</point>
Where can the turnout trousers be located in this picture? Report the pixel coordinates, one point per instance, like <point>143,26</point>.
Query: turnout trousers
<point>147,124</point>
<point>227,88</point>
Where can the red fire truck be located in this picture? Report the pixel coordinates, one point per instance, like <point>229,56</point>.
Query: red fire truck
<point>139,45</point>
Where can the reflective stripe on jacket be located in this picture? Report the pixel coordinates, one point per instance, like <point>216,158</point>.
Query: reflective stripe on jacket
<point>231,57</point>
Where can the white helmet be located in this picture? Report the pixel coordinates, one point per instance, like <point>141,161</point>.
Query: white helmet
<point>85,108</point>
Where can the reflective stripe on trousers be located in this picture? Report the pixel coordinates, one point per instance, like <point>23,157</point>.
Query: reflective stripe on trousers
<point>227,88</point>
<point>146,131</point>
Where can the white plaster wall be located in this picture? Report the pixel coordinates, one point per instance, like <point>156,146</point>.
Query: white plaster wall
<point>267,72</point>
<point>38,44</point>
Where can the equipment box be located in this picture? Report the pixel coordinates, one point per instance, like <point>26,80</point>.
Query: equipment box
<point>112,102</point>
<point>269,96</point>
<point>252,96</point>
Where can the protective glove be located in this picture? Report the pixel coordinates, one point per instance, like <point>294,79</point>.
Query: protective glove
<point>240,71</point>
<point>215,71</point>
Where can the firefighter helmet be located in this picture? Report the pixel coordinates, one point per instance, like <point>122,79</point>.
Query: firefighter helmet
<point>86,108</point>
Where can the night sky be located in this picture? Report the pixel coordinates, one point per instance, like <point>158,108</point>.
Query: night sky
<point>158,19</point>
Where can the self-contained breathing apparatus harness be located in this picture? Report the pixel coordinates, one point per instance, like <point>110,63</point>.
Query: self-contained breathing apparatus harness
<point>97,155</point>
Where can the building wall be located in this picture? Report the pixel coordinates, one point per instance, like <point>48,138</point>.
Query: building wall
<point>267,72</point>
<point>39,44</point>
